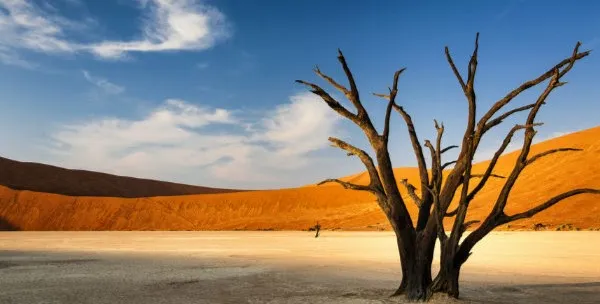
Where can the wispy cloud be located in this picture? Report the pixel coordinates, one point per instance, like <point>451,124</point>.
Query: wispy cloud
<point>103,84</point>
<point>186,142</point>
<point>202,65</point>
<point>24,25</point>
<point>171,25</point>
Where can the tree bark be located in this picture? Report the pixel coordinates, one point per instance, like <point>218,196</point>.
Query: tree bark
<point>416,267</point>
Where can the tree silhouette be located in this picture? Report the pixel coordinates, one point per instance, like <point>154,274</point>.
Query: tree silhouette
<point>416,240</point>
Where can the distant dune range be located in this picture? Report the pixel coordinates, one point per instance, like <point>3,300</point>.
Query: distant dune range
<point>285,209</point>
<point>45,178</point>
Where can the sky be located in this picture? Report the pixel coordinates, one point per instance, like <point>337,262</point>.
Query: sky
<point>203,92</point>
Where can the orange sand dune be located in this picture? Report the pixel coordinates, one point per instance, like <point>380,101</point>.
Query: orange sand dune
<point>332,206</point>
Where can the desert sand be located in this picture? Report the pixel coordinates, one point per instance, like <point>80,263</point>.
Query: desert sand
<point>281,267</point>
<point>334,207</point>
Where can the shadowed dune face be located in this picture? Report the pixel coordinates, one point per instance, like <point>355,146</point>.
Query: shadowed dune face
<point>331,205</point>
<point>50,179</point>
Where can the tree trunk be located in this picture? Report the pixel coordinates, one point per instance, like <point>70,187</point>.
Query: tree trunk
<point>446,281</point>
<point>416,268</point>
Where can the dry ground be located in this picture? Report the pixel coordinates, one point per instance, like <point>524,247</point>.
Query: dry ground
<point>281,267</point>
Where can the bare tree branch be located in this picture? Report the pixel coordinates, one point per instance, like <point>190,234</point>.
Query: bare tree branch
<point>448,164</point>
<point>496,121</point>
<point>497,216</point>
<point>434,161</point>
<point>364,157</point>
<point>490,175</point>
<point>334,83</point>
<point>391,102</point>
<point>438,153</point>
<point>353,94</point>
<point>495,158</point>
<point>452,213</point>
<point>463,203</point>
<point>426,199</point>
<point>331,102</point>
<point>551,202</point>
<point>438,215</point>
<point>468,224</point>
<point>454,69</point>
<point>522,158</point>
<point>529,84</point>
<point>447,149</point>
<point>348,185</point>
<point>540,155</point>
<point>473,64</point>
<point>411,192</point>
<point>453,179</point>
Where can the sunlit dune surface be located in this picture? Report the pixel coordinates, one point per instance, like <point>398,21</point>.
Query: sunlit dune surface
<point>332,206</point>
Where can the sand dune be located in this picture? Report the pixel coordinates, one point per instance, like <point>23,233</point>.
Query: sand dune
<point>50,179</point>
<point>332,206</point>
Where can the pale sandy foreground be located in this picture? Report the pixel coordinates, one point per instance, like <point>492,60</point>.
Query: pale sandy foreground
<point>281,267</point>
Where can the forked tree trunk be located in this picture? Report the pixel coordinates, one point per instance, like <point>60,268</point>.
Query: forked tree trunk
<point>447,278</point>
<point>416,267</point>
<point>417,283</point>
<point>446,281</point>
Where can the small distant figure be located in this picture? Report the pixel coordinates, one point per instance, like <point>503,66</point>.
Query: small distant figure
<point>317,228</point>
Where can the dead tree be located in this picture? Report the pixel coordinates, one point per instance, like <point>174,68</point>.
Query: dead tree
<point>416,239</point>
<point>318,229</point>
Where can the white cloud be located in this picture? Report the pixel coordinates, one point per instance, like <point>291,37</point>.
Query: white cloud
<point>292,127</point>
<point>105,85</point>
<point>24,25</point>
<point>189,143</point>
<point>202,65</point>
<point>171,25</point>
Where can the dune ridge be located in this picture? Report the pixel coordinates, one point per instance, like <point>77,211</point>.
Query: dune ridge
<point>334,207</point>
<point>51,179</point>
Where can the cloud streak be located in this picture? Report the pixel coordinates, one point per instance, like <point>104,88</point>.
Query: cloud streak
<point>105,85</point>
<point>185,142</point>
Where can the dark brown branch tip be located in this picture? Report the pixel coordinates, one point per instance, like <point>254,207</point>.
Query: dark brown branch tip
<point>451,213</point>
<point>448,148</point>
<point>548,152</point>
<point>491,175</point>
<point>448,164</point>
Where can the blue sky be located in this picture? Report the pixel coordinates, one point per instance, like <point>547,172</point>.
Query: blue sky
<point>203,92</point>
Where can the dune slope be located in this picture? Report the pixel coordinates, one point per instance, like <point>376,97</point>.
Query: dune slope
<point>332,206</point>
<point>50,179</point>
